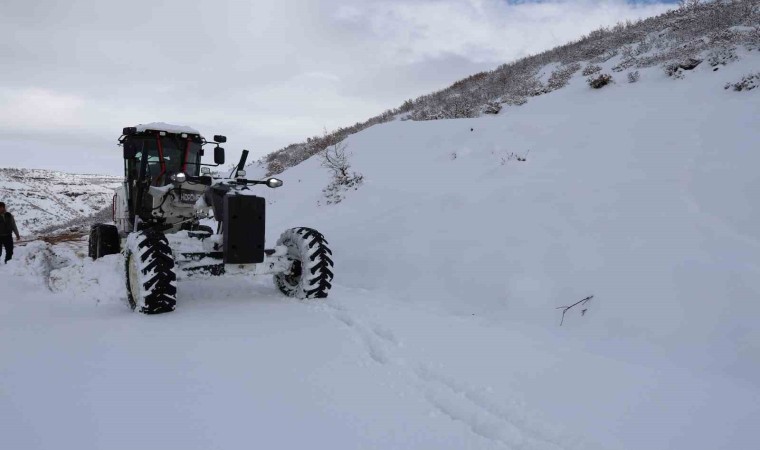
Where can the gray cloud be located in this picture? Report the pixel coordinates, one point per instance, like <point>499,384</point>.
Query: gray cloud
<point>266,73</point>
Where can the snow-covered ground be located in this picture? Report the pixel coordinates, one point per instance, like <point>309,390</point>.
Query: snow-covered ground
<point>442,330</point>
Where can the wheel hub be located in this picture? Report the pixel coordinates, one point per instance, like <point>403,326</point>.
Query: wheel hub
<point>294,276</point>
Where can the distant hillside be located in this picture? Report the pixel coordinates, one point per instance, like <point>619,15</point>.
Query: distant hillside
<point>711,31</point>
<point>41,198</point>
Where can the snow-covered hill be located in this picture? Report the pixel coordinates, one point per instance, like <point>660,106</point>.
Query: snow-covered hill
<point>640,194</point>
<point>41,198</point>
<point>442,330</point>
<point>708,32</point>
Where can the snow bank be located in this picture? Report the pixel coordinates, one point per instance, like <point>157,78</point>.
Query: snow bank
<point>65,269</point>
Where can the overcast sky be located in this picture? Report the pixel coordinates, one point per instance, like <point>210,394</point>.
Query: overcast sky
<point>266,73</point>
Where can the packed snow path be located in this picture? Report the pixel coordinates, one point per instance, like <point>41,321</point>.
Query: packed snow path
<point>240,366</point>
<point>236,366</point>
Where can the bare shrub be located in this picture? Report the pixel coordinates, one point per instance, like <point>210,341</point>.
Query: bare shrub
<point>274,167</point>
<point>747,83</point>
<point>644,47</point>
<point>560,77</point>
<point>600,81</point>
<point>686,4</point>
<point>606,56</point>
<point>492,108</point>
<point>584,304</point>
<point>513,100</point>
<point>673,70</point>
<point>721,57</point>
<point>676,69</point>
<point>590,70</point>
<point>504,158</point>
<point>633,76</point>
<point>335,158</point>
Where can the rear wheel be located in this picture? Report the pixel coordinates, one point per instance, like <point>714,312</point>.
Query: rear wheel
<point>311,273</point>
<point>104,240</point>
<point>151,280</point>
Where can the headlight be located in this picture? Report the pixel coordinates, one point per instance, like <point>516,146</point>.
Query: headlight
<point>178,178</point>
<point>274,183</point>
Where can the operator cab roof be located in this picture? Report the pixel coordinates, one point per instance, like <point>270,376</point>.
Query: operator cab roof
<point>167,127</point>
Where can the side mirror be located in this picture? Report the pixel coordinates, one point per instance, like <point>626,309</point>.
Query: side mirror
<point>274,182</point>
<point>130,150</point>
<point>218,155</point>
<point>220,139</point>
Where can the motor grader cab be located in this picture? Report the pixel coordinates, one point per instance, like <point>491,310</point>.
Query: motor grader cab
<point>154,159</point>
<point>164,211</point>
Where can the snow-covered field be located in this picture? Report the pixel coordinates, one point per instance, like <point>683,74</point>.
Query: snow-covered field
<point>442,330</point>
<point>43,198</point>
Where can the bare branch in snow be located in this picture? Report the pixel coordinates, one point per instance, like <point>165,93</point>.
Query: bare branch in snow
<point>565,309</point>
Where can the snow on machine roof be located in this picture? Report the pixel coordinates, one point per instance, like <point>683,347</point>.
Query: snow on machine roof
<point>169,128</point>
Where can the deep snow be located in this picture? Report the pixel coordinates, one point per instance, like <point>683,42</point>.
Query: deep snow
<point>442,332</point>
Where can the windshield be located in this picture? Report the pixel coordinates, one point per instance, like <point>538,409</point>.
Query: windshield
<point>181,155</point>
<point>167,155</point>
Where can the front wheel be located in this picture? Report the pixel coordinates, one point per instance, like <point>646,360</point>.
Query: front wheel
<point>151,280</point>
<point>311,274</point>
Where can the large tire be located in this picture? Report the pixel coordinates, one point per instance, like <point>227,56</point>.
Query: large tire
<point>311,274</point>
<point>104,240</point>
<point>151,280</point>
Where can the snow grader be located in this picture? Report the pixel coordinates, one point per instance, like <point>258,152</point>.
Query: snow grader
<point>159,212</point>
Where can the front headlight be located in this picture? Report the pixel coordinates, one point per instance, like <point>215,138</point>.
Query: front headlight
<point>178,178</point>
<point>274,183</point>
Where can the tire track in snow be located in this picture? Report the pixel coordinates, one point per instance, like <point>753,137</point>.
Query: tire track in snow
<point>375,350</point>
<point>506,426</point>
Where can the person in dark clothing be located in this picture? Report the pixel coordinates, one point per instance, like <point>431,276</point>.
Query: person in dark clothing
<point>7,226</point>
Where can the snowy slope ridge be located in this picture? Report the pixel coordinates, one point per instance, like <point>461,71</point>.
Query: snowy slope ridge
<point>42,198</point>
<point>713,29</point>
